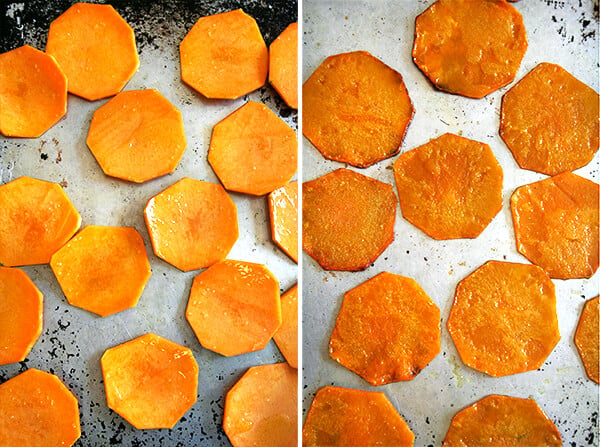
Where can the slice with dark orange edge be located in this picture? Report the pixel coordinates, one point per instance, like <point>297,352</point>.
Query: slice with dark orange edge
<point>283,210</point>
<point>286,336</point>
<point>356,109</point>
<point>587,338</point>
<point>283,65</point>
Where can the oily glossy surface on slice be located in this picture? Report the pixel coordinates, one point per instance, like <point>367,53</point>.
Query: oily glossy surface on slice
<point>286,336</point>
<point>283,210</point>
<point>587,338</point>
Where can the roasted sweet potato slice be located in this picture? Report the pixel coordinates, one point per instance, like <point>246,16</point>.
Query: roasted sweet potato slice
<point>192,224</point>
<point>283,65</point>
<point>556,225</point>
<point>37,219</point>
<point>33,92</point>
<point>356,109</point>
<point>587,338</point>
<point>261,409</point>
<point>549,121</point>
<point>347,219</point>
<point>286,336</point>
<point>137,136</point>
<point>37,410</point>
<point>341,417</point>
<point>502,420</point>
<point>150,381</point>
<point>283,209</point>
<point>503,320</point>
<point>224,56</point>
<point>21,309</point>
<point>253,151</point>
<point>450,188</point>
<point>95,48</point>
<point>469,47</point>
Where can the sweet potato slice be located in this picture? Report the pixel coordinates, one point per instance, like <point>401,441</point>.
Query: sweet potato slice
<point>286,336</point>
<point>503,320</point>
<point>341,417</point>
<point>356,109</point>
<point>549,121</point>
<point>283,65</point>
<point>450,188</point>
<point>556,225</point>
<point>21,309</point>
<point>234,307</point>
<point>103,269</point>
<point>192,224</point>
<point>253,151</point>
<point>37,219</point>
<point>470,47</point>
<point>224,56</point>
<point>261,409</point>
<point>150,381</point>
<point>502,420</point>
<point>347,219</point>
<point>137,136</point>
<point>587,339</point>
<point>37,410</point>
<point>283,209</point>
<point>33,92</point>
<point>387,330</point>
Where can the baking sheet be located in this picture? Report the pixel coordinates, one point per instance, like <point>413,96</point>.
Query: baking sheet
<point>562,32</point>
<point>73,340</point>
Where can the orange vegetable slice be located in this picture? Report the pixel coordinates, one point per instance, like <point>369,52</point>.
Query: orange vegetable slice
<point>37,219</point>
<point>347,219</point>
<point>37,410</point>
<point>451,187</point>
<point>549,121</point>
<point>21,310</point>
<point>261,409</point>
<point>150,381</point>
<point>387,330</point>
<point>556,225</point>
<point>192,224</point>
<point>340,417</point>
<point>503,320</point>
<point>286,336</point>
<point>234,307</point>
<point>356,109</point>
<point>253,150</point>
<point>103,269</point>
<point>137,136</point>
<point>469,47</point>
<point>283,65</point>
<point>283,210</point>
<point>224,56</point>
<point>33,92</point>
<point>502,420</point>
<point>587,338</point>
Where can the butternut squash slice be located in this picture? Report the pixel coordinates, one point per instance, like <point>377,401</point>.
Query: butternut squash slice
<point>587,338</point>
<point>283,65</point>
<point>283,210</point>
<point>286,336</point>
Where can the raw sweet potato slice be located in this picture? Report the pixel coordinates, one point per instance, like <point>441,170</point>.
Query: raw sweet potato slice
<point>137,136</point>
<point>286,336</point>
<point>192,224</point>
<point>347,219</point>
<point>503,320</point>
<point>103,269</point>
<point>356,109</point>
<point>549,121</point>
<point>253,151</point>
<point>502,420</point>
<point>234,307</point>
<point>224,56</point>
<point>341,417</point>
<point>37,410</point>
<point>261,409</point>
<point>33,92</point>
<point>556,225</point>
<point>283,209</point>
<point>283,65</point>
<point>37,219</point>
<point>150,381</point>
<point>21,308</point>
<point>469,47</point>
<point>450,188</point>
<point>387,330</point>
<point>587,338</point>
